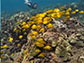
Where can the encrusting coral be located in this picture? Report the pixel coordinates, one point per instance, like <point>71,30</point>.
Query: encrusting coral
<point>49,36</point>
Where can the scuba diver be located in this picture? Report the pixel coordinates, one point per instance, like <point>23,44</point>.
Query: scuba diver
<point>30,4</point>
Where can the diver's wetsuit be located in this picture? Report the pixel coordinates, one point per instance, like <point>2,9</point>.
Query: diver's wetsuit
<point>33,6</point>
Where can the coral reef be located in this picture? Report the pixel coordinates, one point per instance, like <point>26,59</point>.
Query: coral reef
<point>62,40</point>
<point>49,37</point>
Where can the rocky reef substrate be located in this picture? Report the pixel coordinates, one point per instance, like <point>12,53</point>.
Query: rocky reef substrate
<point>61,42</point>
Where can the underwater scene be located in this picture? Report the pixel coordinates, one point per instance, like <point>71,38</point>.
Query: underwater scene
<point>42,31</point>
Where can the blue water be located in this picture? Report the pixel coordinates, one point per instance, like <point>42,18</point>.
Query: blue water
<point>15,5</point>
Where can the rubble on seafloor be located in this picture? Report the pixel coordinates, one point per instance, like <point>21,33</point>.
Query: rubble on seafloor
<point>58,41</point>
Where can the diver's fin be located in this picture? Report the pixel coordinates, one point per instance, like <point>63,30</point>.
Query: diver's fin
<point>35,6</point>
